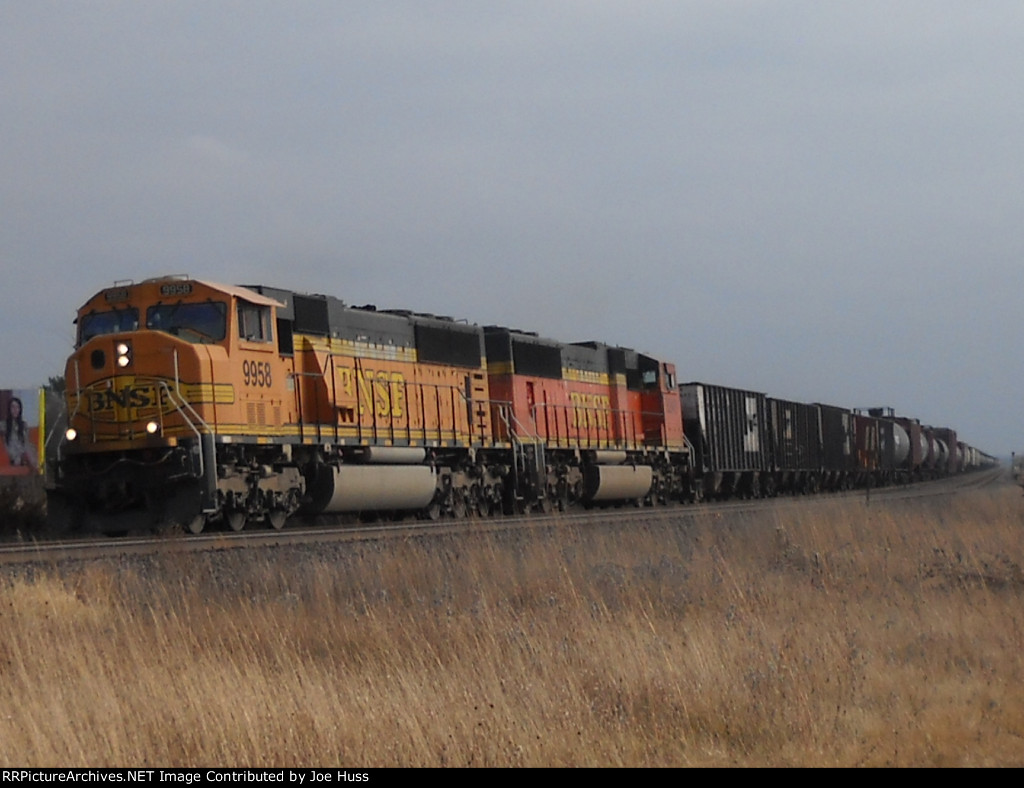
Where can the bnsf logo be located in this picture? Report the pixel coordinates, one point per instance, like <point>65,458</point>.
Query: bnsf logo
<point>129,396</point>
<point>590,410</point>
<point>381,392</point>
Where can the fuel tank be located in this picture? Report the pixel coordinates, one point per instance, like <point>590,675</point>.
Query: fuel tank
<point>357,488</point>
<point>616,482</point>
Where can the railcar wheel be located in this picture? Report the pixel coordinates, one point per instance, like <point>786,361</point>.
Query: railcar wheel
<point>277,519</point>
<point>235,520</point>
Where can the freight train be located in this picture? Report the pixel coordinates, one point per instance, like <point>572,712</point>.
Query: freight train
<point>196,404</point>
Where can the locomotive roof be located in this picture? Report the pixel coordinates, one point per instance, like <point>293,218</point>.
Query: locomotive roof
<point>240,291</point>
<point>235,291</point>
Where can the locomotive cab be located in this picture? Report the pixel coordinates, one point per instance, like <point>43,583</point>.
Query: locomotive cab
<point>169,358</point>
<point>170,380</point>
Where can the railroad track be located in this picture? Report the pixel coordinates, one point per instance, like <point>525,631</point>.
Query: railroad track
<point>52,551</point>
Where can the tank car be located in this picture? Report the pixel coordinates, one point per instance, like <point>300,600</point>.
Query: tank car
<point>948,462</point>
<point>878,447</point>
<point>885,445</point>
<point>912,466</point>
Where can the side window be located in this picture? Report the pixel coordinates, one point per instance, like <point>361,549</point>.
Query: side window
<point>254,322</point>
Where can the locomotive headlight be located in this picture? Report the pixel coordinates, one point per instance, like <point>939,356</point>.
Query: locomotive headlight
<point>152,427</point>
<point>71,433</point>
<point>124,354</point>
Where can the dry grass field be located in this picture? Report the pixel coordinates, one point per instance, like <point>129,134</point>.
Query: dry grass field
<point>828,633</point>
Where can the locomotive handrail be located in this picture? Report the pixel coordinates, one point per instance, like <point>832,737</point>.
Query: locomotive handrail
<point>78,404</point>
<point>177,387</point>
<point>188,421</point>
<point>298,400</point>
<point>518,444</point>
<point>181,411</point>
<point>515,433</point>
<point>591,432</point>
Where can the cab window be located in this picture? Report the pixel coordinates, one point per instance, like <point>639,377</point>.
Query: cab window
<point>198,323</point>
<point>254,322</point>
<point>113,322</point>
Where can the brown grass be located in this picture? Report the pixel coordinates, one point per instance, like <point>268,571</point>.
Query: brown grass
<point>825,634</point>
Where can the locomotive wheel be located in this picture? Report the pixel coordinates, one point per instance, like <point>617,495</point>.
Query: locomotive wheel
<point>477,502</point>
<point>562,495</point>
<point>235,520</point>
<point>497,505</point>
<point>64,514</point>
<point>459,508</point>
<point>277,519</point>
<point>433,511</point>
<point>196,524</point>
<point>657,495</point>
<point>517,506</point>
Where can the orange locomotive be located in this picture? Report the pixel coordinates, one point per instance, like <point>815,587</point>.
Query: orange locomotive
<point>198,403</point>
<point>605,422</point>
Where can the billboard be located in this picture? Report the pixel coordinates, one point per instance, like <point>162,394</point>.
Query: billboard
<point>22,432</point>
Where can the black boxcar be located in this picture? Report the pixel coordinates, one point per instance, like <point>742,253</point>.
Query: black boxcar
<point>839,459</point>
<point>796,449</point>
<point>728,429</point>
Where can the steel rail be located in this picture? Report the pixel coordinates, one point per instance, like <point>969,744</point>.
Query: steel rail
<point>326,529</point>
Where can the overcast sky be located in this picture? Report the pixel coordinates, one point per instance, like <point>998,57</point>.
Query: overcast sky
<point>823,201</point>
